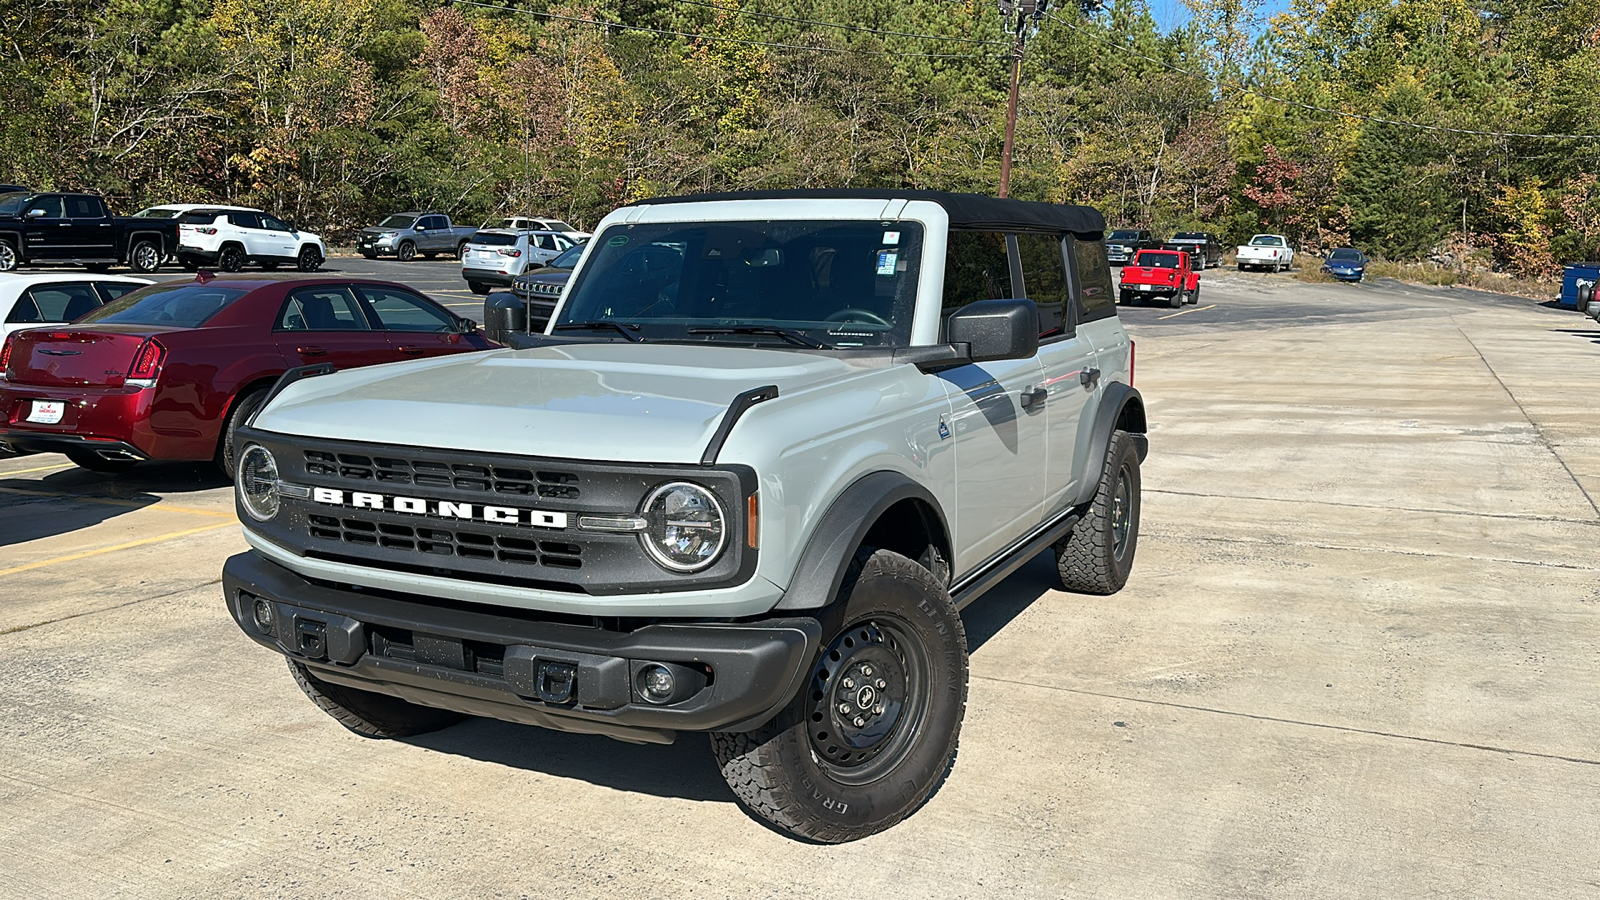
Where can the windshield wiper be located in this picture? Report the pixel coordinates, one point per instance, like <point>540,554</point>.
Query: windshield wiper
<point>626,329</point>
<point>793,337</point>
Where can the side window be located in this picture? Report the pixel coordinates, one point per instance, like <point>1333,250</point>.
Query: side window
<point>50,205</point>
<point>401,311</point>
<point>546,242</point>
<point>85,208</point>
<point>1095,296</point>
<point>271,224</point>
<point>245,219</point>
<point>111,290</point>
<point>1044,277</point>
<point>976,267</point>
<point>55,303</point>
<point>322,309</point>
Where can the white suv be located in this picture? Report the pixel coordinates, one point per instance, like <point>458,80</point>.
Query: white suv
<point>228,237</point>
<point>496,256</point>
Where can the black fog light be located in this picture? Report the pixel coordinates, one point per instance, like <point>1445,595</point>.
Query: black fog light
<point>263,613</point>
<point>661,684</point>
<point>656,683</point>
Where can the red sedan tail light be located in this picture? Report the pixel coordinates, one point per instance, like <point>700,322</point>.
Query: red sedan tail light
<point>5,356</point>
<point>146,364</point>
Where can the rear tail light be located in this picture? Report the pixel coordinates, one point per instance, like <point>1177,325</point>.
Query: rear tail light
<point>511,253</point>
<point>146,364</point>
<point>5,355</point>
<point>206,230</point>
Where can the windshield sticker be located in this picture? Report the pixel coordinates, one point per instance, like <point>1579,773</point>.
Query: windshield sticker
<point>891,237</point>
<point>886,261</point>
<point>617,240</point>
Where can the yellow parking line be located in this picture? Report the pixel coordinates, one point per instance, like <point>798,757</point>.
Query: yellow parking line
<point>1187,311</point>
<point>111,501</point>
<point>36,469</point>
<point>112,549</point>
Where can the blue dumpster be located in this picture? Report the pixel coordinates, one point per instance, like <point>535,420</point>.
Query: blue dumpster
<point>1576,275</point>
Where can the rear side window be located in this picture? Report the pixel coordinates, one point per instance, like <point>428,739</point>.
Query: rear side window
<point>331,308</point>
<point>180,306</point>
<point>1044,277</point>
<point>402,311</point>
<point>54,303</point>
<point>1094,280</point>
<point>199,217</point>
<point>245,219</point>
<point>976,267</point>
<point>85,208</point>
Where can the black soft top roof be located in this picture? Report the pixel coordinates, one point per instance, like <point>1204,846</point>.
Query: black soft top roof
<point>966,211</point>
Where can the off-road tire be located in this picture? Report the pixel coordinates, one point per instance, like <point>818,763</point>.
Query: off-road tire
<point>890,608</point>
<point>309,260</point>
<point>228,445</point>
<point>1177,300</point>
<point>1088,558</point>
<point>144,257</point>
<point>368,714</point>
<point>406,252</point>
<point>9,259</point>
<point>1125,299</point>
<point>231,258</point>
<point>94,462</point>
<point>1194,296</point>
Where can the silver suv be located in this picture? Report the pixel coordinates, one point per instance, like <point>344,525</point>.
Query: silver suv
<point>768,447</point>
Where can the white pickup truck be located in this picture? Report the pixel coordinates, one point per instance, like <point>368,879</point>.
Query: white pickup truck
<point>1266,251</point>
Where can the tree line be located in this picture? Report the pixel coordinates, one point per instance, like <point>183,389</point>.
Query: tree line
<point>1408,128</point>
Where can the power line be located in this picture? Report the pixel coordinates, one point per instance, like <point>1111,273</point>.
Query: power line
<point>711,37</point>
<point>1307,106</point>
<point>842,27</point>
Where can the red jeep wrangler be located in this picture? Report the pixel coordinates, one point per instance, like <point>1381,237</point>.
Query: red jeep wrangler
<point>1167,274</point>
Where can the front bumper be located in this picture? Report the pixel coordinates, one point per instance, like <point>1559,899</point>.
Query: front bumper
<point>1345,276</point>
<point>504,664</point>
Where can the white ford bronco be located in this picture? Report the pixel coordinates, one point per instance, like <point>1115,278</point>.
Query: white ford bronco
<point>768,447</point>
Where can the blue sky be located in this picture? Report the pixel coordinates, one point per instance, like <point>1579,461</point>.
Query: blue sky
<point>1171,13</point>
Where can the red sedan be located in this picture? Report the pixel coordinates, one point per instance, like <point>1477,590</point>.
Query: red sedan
<point>169,371</point>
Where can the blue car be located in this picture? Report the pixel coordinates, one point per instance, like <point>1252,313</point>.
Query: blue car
<point>1346,264</point>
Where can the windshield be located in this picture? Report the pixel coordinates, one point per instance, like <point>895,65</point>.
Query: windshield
<point>490,239</point>
<point>839,283</point>
<point>568,258</point>
<point>1266,240</point>
<point>1157,260</point>
<point>11,203</point>
<point>1350,255</point>
<point>1123,236</point>
<point>158,212</point>
<point>398,222</point>
<point>557,225</point>
<point>186,305</point>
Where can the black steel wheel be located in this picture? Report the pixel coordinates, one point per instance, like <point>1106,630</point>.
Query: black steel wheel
<point>406,252</point>
<point>144,257</point>
<point>1096,557</point>
<point>231,259</point>
<point>309,260</point>
<point>874,730</point>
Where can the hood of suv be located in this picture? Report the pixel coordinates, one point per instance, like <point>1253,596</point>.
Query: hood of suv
<point>613,402</point>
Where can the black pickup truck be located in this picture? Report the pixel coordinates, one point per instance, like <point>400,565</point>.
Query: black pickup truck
<point>77,229</point>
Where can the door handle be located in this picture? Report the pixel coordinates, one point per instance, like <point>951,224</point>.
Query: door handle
<point>411,351</point>
<point>311,351</point>
<point>1032,396</point>
<point>1089,376</point>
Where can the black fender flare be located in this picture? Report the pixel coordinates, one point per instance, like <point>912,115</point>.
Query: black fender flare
<point>1117,398</point>
<point>833,542</point>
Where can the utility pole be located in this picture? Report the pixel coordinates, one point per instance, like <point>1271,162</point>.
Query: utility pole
<point>1017,14</point>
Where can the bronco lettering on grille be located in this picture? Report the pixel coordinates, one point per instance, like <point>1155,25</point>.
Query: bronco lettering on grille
<point>444,509</point>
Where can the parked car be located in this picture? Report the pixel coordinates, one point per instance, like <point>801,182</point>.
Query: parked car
<point>1165,274</point>
<point>538,223</point>
<point>404,235</point>
<point>77,229</point>
<point>230,237</point>
<point>1265,251</point>
<point>28,301</point>
<point>1207,247</point>
<point>1346,264</point>
<point>497,257</point>
<point>169,371</point>
<point>769,448</point>
<point>541,288</point>
<point>1122,244</point>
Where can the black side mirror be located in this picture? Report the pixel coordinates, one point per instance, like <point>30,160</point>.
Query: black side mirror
<point>996,329</point>
<point>466,326</point>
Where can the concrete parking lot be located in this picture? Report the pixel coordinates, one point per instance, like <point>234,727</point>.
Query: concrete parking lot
<point>1357,658</point>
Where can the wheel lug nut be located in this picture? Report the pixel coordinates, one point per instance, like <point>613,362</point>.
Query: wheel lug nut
<point>860,721</point>
<point>882,684</point>
<point>848,683</point>
<point>878,710</point>
<point>844,708</point>
<point>866,670</point>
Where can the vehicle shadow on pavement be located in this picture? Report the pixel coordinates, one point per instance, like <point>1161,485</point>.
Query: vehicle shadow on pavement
<point>684,769</point>
<point>992,612</point>
<point>75,498</point>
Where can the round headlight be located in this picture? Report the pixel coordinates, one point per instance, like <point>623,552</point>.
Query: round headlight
<point>685,529</point>
<point>258,482</point>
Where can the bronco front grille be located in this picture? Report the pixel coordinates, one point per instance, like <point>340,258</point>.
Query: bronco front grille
<point>430,473</point>
<point>462,543</point>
